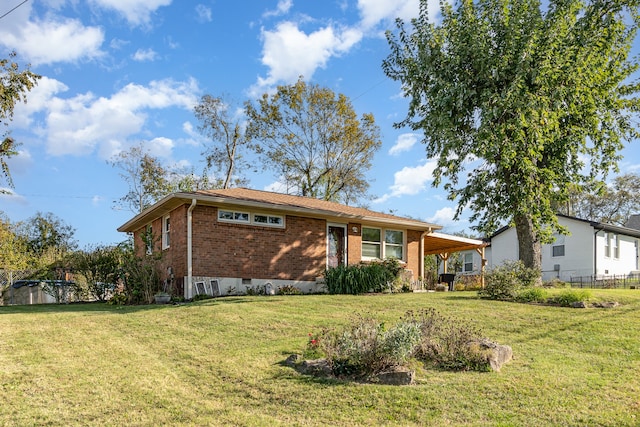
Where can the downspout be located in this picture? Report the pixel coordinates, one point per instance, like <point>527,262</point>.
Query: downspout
<point>189,288</point>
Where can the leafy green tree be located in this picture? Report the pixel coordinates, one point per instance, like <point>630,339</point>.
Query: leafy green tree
<point>100,267</point>
<point>513,96</point>
<point>13,247</point>
<point>147,178</point>
<point>14,84</point>
<point>610,204</point>
<point>315,140</point>
<point>47,237</point>
<point>220,122</point>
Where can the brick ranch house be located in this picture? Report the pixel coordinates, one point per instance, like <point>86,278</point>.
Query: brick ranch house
<point>226,241</point>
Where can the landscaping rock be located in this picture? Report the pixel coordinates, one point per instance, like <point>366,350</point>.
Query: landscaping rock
<point>317,368</point>
<point>292,361</point>
<point>606,304</point>
<point>497,354</point>
<point>400,376</point>
<point>579,304</point>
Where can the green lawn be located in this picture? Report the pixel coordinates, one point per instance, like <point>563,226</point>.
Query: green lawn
<point>217,362</point>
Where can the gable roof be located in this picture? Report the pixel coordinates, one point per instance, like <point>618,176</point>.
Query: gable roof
<point>266,200</point>
<point>594,224</point>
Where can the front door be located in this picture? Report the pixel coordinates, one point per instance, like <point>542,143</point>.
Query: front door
<point>336,243</point>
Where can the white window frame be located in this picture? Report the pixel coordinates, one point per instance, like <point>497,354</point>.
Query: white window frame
<point>273,220</point>
<point>467,266</point>
<point>166,232</point>
<point>558,243</point>
<point>235,215</point>
<point>383,243</point>
<point>607,245</point>
<point>616,246</point>
<point>371,242</point>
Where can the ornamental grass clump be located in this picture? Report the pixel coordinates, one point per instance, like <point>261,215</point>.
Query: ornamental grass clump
<point>570,296</point>
<point>362,278</point>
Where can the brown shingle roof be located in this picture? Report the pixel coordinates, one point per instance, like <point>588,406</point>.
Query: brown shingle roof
<point>303,206</point>
<point>289,201</point>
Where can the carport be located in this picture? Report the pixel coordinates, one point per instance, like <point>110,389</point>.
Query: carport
<point>444,245</point>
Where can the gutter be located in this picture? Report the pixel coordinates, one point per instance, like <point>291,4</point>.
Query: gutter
<point>189,288</point>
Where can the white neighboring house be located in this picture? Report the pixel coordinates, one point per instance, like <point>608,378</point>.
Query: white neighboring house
<point>591,249</point>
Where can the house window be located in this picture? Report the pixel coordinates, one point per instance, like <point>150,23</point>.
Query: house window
<point>374,246</point>
<point>393,244</point>
<point>371,247</point>
<point>166,229</point>
<point>468,263</point>
<point>557,248</point>
<point>615,243</point>
<point>233,216</point>
<point>607,245</point>
<point>147,239</point>
<point>268,220</point>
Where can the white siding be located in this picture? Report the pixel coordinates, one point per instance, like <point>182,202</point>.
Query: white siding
<point>578,253</point>
<point>626,261</point>
<point>504,247</point>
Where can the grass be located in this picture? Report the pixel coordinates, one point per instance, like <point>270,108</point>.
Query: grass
<point>217,362</point>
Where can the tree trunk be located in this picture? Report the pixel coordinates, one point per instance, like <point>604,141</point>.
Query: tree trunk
<point>529,247</point>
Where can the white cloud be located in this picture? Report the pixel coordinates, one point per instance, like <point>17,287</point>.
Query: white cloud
<point>204,13</point>
<point>142,55</point>
<point>409,181</point>
<point>289,52</point>
<point>40,41</point>
<point>282,8</point>
<point>443,217</point>
<point>7,195</point>
<point>374,11</point>
<point>404,143</point>
<point>160,147</point>
<point>136,12</point>
<point>20,164</point>
<point>187,127</point>
<point>77,125</point>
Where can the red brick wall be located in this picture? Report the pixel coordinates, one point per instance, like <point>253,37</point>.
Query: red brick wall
<point>221,249</point>
<point>413,252</point>
<point>354,243</point>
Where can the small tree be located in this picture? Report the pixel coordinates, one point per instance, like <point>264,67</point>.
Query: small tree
<point>315,140</point>
<point>99,265</point>
<point>223,126</point>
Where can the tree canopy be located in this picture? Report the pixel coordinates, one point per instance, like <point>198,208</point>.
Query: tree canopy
<point>513,96</point>
<point>225,129</point>
<point>314,140</point>
<point>14,84</point>
<point>610,204</point>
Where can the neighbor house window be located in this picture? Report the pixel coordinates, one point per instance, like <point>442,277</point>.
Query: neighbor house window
<point>607,245</point>
<point>615,243</point>
<point>557,248</point>
<point>379,244</point>
<point>468,263</point>
<point>166,229</point>
<point>233,216</point>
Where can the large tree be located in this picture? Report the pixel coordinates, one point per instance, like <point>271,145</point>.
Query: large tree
<point>513,96</point>
<point>47,236</point>
<point>315,140</point>
<point>14,85</point>
<point>222,124</point>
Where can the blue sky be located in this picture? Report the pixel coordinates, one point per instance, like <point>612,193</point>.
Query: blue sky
<point>121,72</point>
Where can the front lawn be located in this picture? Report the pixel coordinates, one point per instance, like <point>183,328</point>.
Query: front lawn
<point>217,362</point>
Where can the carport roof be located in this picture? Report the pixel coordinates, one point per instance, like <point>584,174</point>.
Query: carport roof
<point>439,243</point>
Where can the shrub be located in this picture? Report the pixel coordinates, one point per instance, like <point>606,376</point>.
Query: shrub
<point>362,278</point>
<point>289,290</point>
<point>448,343</point>
<point>570,296</point>
<point>505,281</point>
<point>468,282</point>
<point>364,348</point>
<point>535,294</point>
